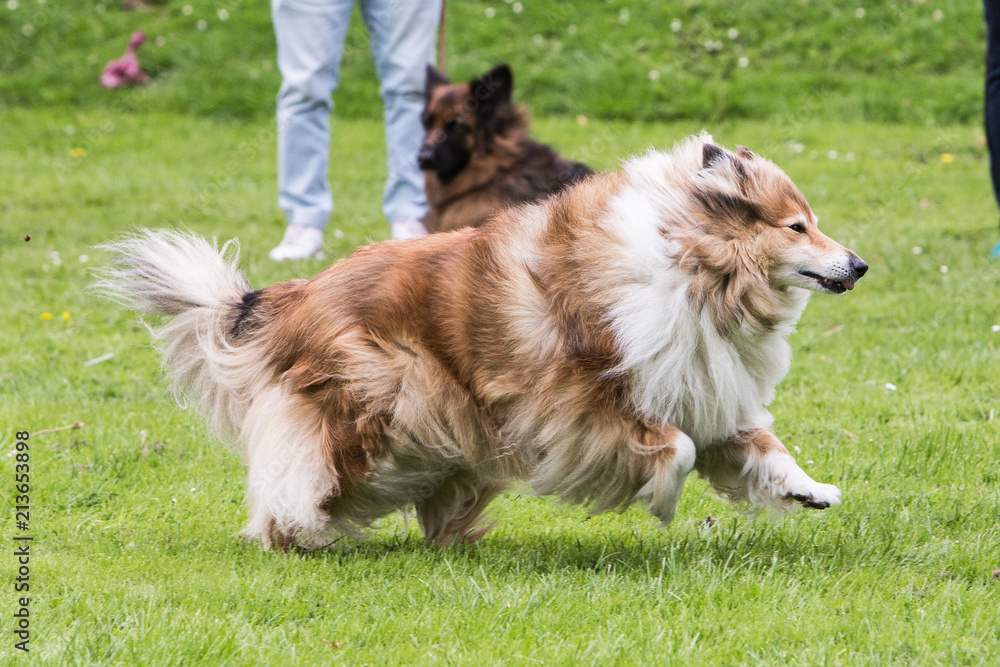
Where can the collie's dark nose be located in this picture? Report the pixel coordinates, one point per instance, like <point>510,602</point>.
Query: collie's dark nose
<point>858,266</point>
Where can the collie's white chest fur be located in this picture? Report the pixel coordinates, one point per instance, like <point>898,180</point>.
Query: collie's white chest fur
<point>685,372</point>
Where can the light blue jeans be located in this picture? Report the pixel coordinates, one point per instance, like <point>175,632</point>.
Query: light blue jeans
<point>310,35</point>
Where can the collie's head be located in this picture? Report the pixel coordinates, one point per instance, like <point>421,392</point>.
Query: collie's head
<point>746,235</point>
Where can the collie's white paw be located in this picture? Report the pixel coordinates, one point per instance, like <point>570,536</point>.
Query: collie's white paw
<point>782,484</point>
<point>815,495</point>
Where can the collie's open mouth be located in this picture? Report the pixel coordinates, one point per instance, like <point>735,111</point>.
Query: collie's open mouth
<point>835,286</point>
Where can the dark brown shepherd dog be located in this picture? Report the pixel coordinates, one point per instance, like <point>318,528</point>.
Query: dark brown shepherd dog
<point>478,157</point>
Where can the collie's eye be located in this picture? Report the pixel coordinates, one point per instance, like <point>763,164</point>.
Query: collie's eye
<point>451,124</point>
<point>798,227</point>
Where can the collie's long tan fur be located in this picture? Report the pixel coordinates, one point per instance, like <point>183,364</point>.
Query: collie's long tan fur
<point>599,345</point>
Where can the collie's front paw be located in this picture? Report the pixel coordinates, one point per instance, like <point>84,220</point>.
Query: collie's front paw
<point>816,496</point>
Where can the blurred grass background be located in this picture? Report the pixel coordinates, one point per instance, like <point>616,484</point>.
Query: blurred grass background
<point>894,61</point>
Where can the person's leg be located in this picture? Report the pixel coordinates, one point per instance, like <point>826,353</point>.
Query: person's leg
<point>310,36</point>
<point>992,13</point>
<point>403,35</point>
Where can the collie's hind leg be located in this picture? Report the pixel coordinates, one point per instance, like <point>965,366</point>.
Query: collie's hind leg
<point>672,455</point>
<point>453,511</point>
<point>290,475</point>
<point>754,466</point>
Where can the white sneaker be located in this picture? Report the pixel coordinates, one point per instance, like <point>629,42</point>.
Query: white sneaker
<point>299,242</point>
<point>407,228</point>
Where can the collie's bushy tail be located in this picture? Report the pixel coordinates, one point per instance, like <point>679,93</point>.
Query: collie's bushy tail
<point>202,296</point>
<point>199,289</point>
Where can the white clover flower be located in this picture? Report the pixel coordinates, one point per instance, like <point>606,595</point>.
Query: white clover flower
<point>223,15</point>
<point>743,62</point>
<point>517,8</point>
<point>187,10</point>
<point>859,12</point>
<point>675,25</point>
<point>732,33</point>
<point>489,12</point>
<point>654,75</point>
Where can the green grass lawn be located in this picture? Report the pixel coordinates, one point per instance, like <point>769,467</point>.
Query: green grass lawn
<point>137,558</point>
<point>878,60</point>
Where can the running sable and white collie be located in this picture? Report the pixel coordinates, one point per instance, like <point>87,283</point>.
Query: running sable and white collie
<point>599,345</point>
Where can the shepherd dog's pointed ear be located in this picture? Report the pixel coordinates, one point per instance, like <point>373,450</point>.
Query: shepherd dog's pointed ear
<point>435,78</point>
<point>712,155</point>
<point>492,89</point>
<point>745,152</point>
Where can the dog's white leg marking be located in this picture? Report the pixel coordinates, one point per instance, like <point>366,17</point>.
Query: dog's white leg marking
<point>755,467</point>
<point>663,490</point>
<point>288,476</point>
<point>776,480</point>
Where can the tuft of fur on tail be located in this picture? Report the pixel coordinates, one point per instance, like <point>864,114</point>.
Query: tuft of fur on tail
<point>196,286</point>
<point>167,272</point>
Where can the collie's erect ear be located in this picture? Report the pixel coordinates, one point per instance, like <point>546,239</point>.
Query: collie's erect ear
<point>712,155</point>
<point>435,78</point>
<point>493,88</point>
<point>745,152</point>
